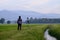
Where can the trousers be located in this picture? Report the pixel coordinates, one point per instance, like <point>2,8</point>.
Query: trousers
<point>19,26</point>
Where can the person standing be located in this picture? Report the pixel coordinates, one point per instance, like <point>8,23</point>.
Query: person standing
<point>28,20</point>
<point>19,22</point>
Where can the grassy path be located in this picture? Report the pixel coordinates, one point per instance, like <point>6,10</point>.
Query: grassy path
<point>28,32</point>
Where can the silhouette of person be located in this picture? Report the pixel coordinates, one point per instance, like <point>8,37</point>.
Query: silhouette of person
<point>27,20</point>
<point>19,22</point>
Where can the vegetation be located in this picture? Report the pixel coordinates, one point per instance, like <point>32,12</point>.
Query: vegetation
<point>8,22</point>
<point>55,31</point>
<point>44,20</point>
<point>28,32</point>
<point>33,20</point>
<point>2,20</point>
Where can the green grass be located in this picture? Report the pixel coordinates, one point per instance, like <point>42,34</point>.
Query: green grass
<point>55,31</point>
<point>28,32</point>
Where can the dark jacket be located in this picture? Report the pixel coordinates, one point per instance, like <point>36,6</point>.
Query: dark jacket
<point>19,21</point>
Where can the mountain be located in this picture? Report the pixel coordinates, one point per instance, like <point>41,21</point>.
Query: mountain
<point>13,15</point>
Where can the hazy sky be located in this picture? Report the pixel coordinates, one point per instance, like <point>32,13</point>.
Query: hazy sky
<point>42,6</point>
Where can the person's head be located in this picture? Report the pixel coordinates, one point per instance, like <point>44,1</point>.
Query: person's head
<point>19,17</point>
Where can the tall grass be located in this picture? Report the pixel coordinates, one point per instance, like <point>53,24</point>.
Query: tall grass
<point>55,31</point>
<point>28,32</point>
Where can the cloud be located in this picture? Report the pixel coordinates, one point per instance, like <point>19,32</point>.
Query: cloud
<point>43,6</point>
<point>19,4</point>
<point>49,7</point>
<point>3,1</point>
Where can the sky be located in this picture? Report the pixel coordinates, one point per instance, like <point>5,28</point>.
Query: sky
<point>41,6</point>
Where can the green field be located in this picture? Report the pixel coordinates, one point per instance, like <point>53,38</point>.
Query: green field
<point>28,32</point>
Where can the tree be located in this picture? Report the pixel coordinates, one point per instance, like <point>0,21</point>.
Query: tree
<point>8,22</point>
<point>2,20</point>
<point>31,20</point>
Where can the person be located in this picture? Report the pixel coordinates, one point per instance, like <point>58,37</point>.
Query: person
<point>27,20</point>
<point>19,22</point>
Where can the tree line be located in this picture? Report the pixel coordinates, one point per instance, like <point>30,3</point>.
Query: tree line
<point>2,21</point>
<point>44,20</point>
<point>34,20</point>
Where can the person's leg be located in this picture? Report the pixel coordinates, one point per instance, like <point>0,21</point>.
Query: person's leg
<point>18,26</point>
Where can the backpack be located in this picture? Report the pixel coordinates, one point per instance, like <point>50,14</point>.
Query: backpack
<point>19,21</point>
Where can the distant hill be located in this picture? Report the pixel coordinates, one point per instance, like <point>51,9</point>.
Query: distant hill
<point>13,15</point>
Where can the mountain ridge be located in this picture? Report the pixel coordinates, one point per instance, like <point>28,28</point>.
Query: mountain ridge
<point>13,15</point>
